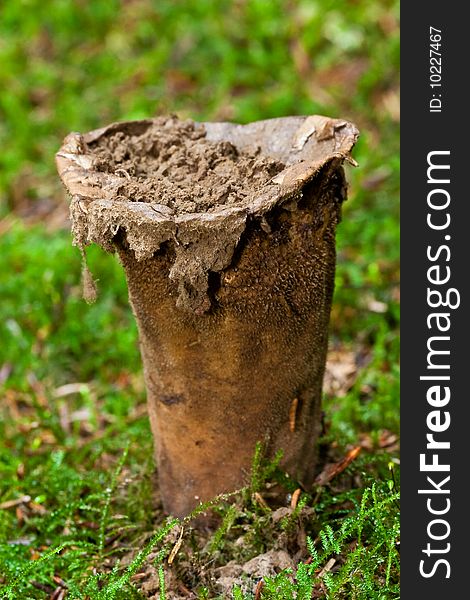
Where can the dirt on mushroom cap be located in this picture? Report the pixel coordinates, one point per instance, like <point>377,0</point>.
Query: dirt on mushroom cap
<point>196,187</point>
<point>173,163</point>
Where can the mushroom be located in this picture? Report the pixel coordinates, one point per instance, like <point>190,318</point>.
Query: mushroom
<point>231,292</point>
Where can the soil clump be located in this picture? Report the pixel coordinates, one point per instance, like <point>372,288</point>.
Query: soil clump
<point>174,164</point>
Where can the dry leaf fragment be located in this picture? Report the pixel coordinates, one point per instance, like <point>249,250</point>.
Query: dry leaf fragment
<point>37,508</point>
<point>70,388</point>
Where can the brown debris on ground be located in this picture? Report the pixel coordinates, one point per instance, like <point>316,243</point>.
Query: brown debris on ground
<point>283,546</point>
<point>264,565</point>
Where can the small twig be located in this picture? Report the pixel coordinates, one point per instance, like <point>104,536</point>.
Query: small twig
<point>184,589</point>
<point>293,414</point>
<point>58,594</point>
<point>259,590</point>
<point>42,586</point>
<point>260,500</point>
<point>11,503</point>
<point>327,567</point>
<point>295,498</point>
<point>332,470</point>
<point>176,547</point>
<point>59,581</point>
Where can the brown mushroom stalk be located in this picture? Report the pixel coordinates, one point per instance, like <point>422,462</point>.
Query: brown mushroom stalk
<point>227,237</point>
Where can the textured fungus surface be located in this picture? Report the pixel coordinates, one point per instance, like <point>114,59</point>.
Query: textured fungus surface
<point>152,178</point>
<point>174,162</point>
<point>232,303</point>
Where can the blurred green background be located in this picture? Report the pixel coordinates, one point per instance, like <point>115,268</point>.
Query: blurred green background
<point>75,65</point>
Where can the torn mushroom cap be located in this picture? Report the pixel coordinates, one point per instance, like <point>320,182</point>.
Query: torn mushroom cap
<point>204,242</point>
